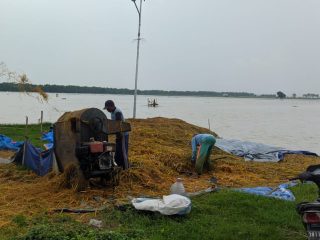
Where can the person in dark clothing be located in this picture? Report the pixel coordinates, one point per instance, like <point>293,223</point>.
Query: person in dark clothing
<point>122,139</point>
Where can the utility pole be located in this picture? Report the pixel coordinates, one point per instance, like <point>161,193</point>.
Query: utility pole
<point>137,59</point>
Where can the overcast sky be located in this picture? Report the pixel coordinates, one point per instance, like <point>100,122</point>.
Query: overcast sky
<point>259,46</point>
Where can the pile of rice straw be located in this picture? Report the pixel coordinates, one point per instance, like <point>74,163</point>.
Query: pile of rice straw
<point>159,151</point>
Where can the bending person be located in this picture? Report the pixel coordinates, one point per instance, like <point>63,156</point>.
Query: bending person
<point>200,157</point>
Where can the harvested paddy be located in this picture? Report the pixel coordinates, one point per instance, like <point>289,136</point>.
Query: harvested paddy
<point>6,154</point>
<point>160,151</point>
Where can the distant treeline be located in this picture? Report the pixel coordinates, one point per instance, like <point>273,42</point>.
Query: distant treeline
<point>13,87</point>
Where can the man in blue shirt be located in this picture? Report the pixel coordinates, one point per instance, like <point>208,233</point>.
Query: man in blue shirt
<point>122,139</point>
<point>201,156</point>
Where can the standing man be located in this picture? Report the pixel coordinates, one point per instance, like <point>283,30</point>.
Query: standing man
<point>202,156</point>
<point>122,139</point>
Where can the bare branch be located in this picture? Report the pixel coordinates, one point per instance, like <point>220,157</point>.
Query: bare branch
<point>23,82</point>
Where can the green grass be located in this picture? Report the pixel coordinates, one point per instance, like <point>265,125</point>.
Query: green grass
<point>18,132</point>
<point>223,215</point>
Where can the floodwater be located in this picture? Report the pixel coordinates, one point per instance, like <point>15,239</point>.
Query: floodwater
<point>292,124</point>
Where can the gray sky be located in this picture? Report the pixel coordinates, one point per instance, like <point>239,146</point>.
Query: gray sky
<point>258,46</point>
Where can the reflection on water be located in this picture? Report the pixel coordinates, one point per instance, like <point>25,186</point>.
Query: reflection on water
<point>286,123</point>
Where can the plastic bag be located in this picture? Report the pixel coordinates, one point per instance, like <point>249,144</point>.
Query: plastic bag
<point>173,204</point>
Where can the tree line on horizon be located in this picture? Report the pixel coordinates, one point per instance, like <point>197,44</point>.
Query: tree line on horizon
<point>13,87</point>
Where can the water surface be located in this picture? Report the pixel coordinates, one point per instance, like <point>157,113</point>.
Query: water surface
<point>293,124</point>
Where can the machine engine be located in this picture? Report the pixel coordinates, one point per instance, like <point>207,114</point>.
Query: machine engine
<point>81,140</point>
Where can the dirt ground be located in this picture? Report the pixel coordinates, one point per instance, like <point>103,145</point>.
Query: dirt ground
<point>160,151</point>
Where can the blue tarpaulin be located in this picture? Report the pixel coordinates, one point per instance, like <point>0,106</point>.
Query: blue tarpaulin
<point>6,143</point>
<point>256,151</point>
<point>281,192</point>
<point>28,155</point>
<point>49,138</point>
<point>35,159</point>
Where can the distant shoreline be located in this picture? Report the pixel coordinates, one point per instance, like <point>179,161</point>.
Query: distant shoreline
<point>13,87</point>
<point>239,97</point>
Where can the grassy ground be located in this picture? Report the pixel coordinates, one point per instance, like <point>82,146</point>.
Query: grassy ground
<point>222,215</point>
<point>18,132</point>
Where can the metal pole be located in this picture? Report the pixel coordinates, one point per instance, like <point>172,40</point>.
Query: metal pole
<point>26,129</point>
<point>41,120</point>
<point>137,62</point>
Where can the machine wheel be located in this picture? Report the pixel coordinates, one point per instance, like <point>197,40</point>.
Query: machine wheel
<point>111,179</point>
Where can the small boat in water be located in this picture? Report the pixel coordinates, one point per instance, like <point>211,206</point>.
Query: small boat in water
<point>152,102</point>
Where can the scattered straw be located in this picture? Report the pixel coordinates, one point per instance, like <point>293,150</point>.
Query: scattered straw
<point>6,154</point>
<point>160,151</point>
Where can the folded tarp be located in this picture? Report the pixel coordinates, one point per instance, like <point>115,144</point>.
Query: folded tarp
<point>256,151</point>
<point>280,192</point>
<point>40,162</point>
<point>49,138</point>
<point>6,143</point>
